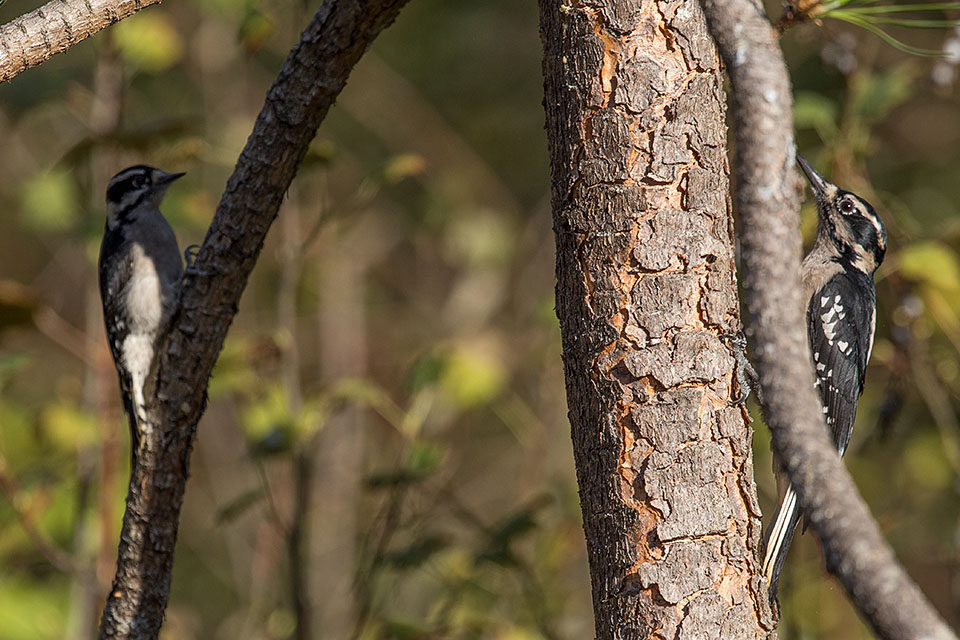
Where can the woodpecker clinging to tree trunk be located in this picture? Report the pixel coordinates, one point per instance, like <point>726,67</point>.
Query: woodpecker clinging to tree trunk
<point>841,315</point>
<point>140,270</point>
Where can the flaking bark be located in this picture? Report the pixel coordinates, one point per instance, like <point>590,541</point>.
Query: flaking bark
<point>312,76</point>
<point>645,288</point>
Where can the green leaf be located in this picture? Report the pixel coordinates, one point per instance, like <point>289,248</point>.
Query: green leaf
<point>267,422</point>
<point>864,23</point>
<point>426,371</point>
<point>424,457</point>
<point>49,201</point>
<point>904,8</point>
<point>403,166</point>
<point>255,28</point>
<point>148,41</point>
<point>931,263</point>
<point>473,375</point>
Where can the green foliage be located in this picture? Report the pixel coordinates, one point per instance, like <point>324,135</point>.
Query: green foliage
<point>472,376</point>
<point>69,427</point>
<point>148,41</point>
<point>875,18</point>
<point>49,201</point>
<point>33,609</point>
<point>931,263</point>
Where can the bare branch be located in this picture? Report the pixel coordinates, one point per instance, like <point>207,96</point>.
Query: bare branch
<point>312,76</point>
<point>768,202</point>
<point>55,27</point>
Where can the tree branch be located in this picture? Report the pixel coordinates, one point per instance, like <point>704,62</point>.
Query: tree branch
<point>312,76</point>
<point>55,27</point>
<point>768,202</point>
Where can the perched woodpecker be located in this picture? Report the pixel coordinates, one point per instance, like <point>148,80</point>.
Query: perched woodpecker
<point>841,313</point>
<point>140,270</point>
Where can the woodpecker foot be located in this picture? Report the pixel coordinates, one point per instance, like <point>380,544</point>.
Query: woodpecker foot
<point>745,374</point>
<point>190,256</point>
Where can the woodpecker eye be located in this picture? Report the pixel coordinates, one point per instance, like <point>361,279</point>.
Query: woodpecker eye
<point>846,206</point>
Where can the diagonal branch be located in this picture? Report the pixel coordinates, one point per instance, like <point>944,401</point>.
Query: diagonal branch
<point>312,76</point>
<point>768,202</point>
<point>55,27</point>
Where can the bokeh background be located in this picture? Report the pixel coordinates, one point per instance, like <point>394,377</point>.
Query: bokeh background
<point>386,436</point>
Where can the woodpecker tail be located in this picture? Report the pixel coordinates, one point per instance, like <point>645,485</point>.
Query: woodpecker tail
<point>778,540</point>
<point>128,406</point>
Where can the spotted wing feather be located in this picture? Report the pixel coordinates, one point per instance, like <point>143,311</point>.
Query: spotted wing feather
<point>840,327</point>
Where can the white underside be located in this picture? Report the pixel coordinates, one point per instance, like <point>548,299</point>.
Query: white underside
<point>146,314</point>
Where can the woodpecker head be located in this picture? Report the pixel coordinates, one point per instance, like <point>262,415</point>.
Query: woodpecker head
<point>848,222</point>
<point>135,189</point>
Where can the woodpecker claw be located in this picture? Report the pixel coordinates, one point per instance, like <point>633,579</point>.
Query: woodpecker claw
<point>745,374</point>
<point>190,256</point>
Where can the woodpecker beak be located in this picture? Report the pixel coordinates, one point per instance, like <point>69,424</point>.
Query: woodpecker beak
<point>162,177</point>
<point>821,188</point>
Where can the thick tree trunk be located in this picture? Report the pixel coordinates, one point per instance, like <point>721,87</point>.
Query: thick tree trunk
<point>646,286</point>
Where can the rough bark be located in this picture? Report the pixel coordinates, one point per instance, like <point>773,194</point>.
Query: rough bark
<point>768,201</point>
<point>55,27</point>
<point>645,288</point>
<point>303,92</point>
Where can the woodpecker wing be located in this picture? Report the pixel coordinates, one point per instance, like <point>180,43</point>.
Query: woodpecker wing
<point>840,326</point>
<point>115,270</point>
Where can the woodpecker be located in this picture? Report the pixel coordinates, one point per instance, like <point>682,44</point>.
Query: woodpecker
<point>140,270</point>
<point>841,315</point>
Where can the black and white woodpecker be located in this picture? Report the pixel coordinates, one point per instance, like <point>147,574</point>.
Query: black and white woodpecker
<point>140,270</point>
<point>841,314</point>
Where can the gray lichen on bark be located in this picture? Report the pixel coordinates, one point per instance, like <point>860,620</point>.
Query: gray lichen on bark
<point>645,287</point>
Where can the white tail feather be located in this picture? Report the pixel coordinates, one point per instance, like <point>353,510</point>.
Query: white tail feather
<point>778,539</point>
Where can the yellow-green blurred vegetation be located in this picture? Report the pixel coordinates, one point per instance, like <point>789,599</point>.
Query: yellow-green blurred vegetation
<point>396,352</point>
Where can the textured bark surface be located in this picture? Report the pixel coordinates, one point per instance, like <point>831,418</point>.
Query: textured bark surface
<point>646,286</point>
<point>303,92</point>
<point>769,204</point>
<point>55,27</point>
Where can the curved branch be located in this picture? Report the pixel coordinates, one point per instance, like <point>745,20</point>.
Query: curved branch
<point>768,202</point>
<point>312,76</point>
<point>55,27</point>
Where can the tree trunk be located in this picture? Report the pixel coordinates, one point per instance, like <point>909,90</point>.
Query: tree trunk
<point>646,287</point>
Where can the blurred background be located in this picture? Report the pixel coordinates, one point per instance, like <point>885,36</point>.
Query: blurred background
<point>386,443</point>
